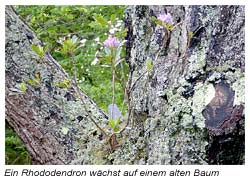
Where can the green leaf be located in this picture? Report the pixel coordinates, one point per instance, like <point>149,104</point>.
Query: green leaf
<point>36,82</point>
<point>169,26</point>
<point>70,45</point>
<point>105,59</point>
<point>156,21</point>
<point>38,77</point>
<point>153,19</point>
<point>112,18</point>
<point>32,82</point>
<point>149,64</point>
<point>64,84</point>
<point>23,87</point>
<point>122,34</point>
<point>38,50</point>
<point>114,124</point>
<point>52,29</point>
<point>190,35</point>
<point>67,46</point>
<point>100,19</point>
<point>70,16</point>
<point>92,24</point>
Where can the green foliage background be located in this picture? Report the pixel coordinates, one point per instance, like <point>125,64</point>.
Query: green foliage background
<point>88,23</point>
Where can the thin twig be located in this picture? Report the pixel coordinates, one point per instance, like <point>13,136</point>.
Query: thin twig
<point>77,89</point>
<point>113,86</point>
<point>176,25</point>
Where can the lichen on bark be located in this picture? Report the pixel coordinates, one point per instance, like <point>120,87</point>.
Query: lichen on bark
<point>168,103</point>
<point>172,98</point>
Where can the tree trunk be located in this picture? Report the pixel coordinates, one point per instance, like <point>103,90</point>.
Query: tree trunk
<point>50,120</point>
<point>189,109</point>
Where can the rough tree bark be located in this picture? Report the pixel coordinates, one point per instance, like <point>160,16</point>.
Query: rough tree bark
<point>50,120</point>
<point>188,110</point>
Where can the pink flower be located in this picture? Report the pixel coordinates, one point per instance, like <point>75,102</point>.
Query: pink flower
<point>111,42</point>
<point>165,18</point>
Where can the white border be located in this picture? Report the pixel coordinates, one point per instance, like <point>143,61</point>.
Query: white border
<point>2,87</point>
<point>229,172</point>
<point>126,2</point>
